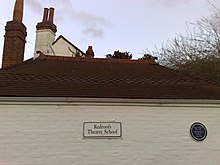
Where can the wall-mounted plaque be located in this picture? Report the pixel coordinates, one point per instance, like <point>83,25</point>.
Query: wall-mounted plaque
<point>198,131</point>
<point>102,130</point>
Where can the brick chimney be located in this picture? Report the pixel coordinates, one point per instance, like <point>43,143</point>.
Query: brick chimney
<point>90,53</point>
<point>14,44</point>
<point>45,34</point>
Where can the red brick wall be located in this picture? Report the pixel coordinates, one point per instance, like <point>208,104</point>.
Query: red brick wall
<point>14,44</point>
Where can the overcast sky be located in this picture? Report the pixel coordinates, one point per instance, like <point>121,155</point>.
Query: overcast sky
<point>109,25</point>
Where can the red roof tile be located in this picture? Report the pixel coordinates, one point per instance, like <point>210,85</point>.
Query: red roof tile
<point>109,78</point>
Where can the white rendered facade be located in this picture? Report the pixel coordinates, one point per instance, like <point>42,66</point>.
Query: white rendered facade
<point>49,131</point>
<point>43,42</point>
<point>63,48</point>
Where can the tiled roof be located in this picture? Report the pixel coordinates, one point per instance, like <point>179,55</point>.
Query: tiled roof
<point>49,76</point>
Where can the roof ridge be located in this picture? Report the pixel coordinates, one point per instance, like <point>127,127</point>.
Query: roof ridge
<point>18,65</point>
<point>108,60</point>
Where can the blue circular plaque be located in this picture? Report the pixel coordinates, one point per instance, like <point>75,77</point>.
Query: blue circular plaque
<point>198,131</point>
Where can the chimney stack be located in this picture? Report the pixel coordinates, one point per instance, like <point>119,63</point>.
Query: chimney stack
<point>47,22</point>
<point>14,44</point>
<point>45,34</point>
<point>90,53</point>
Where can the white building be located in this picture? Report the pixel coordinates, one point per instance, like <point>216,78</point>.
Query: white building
<point>50,131</point>
<point>45,39</point>
<point>92,111</point>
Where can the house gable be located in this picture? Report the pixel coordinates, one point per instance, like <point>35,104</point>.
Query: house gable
<point>63,47</point>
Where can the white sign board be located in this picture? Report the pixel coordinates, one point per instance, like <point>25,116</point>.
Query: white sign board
<point>102,129</point>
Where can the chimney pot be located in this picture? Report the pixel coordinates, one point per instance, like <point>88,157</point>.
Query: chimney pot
<point>47,22</point>
<point>51,15</point>
<point>90,52</point>
<point>18,11</point>
<point>45,16</point>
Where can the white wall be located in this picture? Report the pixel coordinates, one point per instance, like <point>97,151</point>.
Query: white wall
<point>43,42</point>
<point>63,48</point>
<point>51,133</point>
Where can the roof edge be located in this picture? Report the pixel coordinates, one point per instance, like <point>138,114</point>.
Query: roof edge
<point>109,101</point>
